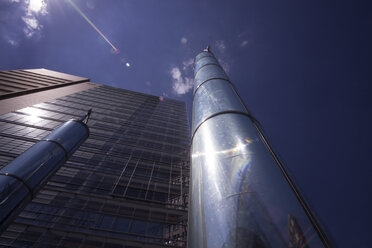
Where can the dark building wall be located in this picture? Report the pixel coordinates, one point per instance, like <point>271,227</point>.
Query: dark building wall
<point>21,82</point>
<point>126,186</point>
<point>18,102</point>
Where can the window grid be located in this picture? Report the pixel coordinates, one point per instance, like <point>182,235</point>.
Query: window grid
<point>125,184</point>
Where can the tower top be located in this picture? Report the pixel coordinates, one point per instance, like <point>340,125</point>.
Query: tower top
<point>207,49</point>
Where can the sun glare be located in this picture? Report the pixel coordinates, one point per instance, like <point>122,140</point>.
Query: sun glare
<point>32,114</point>
<point>36,5</point>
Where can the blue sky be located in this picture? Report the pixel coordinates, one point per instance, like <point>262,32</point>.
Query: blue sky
<point>302,67</point>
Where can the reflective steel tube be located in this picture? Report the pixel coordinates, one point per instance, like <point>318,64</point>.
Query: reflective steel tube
<point>24,176</point>
<point>238,194</point>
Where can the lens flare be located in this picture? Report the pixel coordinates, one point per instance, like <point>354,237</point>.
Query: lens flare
<point>248,141</point>
<point>117,51</point>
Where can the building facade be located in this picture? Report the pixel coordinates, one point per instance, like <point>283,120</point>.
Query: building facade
<point>126,186</point>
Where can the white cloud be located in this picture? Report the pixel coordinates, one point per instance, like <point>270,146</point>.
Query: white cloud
<point>187,64</point>
<point>34,9</point>
<point>182,77</point>
<point>31,22</point>
<point>176,73</point>
<point>181,85</point>
<point>23,19</point>
<point>12,42</point>
<point>244,43</point>
<point>220,45</point>
<point>32,26</point>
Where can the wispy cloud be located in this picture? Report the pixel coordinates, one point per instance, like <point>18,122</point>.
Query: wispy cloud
<point>220,45</point>
<point>223,54</point>
<point>181,84</point>
<point>32,26</point>
<point>34,9</point>
<point>11,39</point>
<point>13,42</point>
<point>244,43</point>
<point>187,64</point>
<point>90,4</point>
<point>246,38</point>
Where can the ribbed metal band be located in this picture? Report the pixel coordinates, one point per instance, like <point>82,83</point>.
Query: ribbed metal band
<point>257,125</point>
<point>227,80</point>
<point>221,113</point>
<point>207,65</point>
<point>59,145</point>
<point>20,179</point>
<point>196,61</point>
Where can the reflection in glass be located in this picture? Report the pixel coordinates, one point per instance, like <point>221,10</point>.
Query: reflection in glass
<point>32,115</point>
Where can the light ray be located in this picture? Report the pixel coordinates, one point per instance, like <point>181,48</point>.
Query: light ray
<point>93,26</point>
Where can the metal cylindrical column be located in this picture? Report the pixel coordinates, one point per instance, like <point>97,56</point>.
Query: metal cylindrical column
<point>238,194</point>
<point>24,176</point>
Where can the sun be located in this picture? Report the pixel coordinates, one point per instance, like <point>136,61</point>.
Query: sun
<point>36,5</point>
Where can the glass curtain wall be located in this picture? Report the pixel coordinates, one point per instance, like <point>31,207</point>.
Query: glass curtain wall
<point>127,185</point>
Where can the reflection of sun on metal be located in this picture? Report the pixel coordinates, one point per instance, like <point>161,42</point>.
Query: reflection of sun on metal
<point>237,148</point>
<point>93,26</point>
<point>127,64</point>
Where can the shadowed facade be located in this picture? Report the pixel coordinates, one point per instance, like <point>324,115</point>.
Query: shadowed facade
<point>126,186</point>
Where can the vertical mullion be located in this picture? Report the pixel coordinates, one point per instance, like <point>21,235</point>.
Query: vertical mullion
<point>121,174</point>
<point>181,184</point>
<point>131,176</point>
<point>148,185</point>
<point>170,182</point>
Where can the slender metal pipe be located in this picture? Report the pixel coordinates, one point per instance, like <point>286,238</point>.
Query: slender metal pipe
<point>24,176</point>
<point>239,196</point>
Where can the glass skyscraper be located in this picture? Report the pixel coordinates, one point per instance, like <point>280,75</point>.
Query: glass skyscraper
<point>126,186</point>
